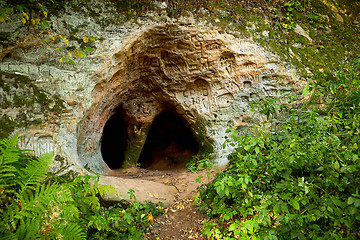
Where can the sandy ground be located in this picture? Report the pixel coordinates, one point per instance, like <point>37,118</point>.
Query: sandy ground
<point>182,219</point>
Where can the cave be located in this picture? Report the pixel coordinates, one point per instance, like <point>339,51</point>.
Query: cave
<point>113,142</point>
<point>168,95</point>
<point>169,143</point>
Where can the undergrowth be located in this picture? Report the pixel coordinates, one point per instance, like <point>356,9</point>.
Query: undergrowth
<point>37,205</point>
<point>298,183</point>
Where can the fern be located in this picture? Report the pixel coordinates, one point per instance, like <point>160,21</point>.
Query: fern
<point>9,156</point>
<point>35,172</point>
<point>30,206</point>
<point>25,232</point>
<point>74,231</point>
<point>8,236</point>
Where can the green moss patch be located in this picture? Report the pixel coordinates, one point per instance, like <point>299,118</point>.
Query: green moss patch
<point>24,104</point>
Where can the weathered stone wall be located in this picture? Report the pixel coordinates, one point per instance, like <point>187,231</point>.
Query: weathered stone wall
<point>206,76</point>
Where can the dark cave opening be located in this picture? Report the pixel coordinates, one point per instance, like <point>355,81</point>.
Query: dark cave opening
<point>169,144</point>
<point>113,142</point>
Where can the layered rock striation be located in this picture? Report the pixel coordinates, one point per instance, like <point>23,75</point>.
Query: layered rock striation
<point>155,96</point>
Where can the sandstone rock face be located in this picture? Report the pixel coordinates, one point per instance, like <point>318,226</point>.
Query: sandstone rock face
<point>155,95</point>
<point>206,78</point>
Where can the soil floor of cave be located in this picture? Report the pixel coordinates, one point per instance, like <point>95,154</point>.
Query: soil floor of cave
<point>183,219</point>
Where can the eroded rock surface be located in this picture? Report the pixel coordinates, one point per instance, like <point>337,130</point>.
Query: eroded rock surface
<point>152,94</point>
<point>207,78</point>
<point>201,79</point>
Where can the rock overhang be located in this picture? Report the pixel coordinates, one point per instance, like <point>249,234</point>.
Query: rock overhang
<point>206,77</point>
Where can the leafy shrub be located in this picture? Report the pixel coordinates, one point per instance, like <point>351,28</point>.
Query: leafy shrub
<point>299,183</point>
<point>123,222</point>
<point>341,94</point>
<point>197,163</point>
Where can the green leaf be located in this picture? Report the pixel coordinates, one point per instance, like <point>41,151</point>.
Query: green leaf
<point>330,209</point>
<point>247,147</point>
<point>348,169</point>
<point>355,201</point>
<point>233,227</point>
<point>319,169</point>
<point>337,202</point>
<point>198,180</point>
<point>46,24</point>
<point>351,200</point>
<point>295,204</point>
<point>307,90</point>
<point>284,208</point>
<point>277,209</point>
<point>63,59</point>
<point>253,162</point>
<point>20,7</point>
<point>277,107</point>
<point>297,234</point>
<point>81,53</point>
<point>292,143</point>
<point>71,61</point>
<point>89,49</point>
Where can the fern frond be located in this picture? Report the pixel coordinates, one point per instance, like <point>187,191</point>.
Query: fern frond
<point>7,214</point>
<point>48,205</point>
<point>8,236</point>
<point>36,202</point>
<point>28,230</point>
<point>36,171</point>
<point>106,189</point>
<point>74,231</point>
<point>33,207</point>
<point>70,210</point>
<point>9,155</point>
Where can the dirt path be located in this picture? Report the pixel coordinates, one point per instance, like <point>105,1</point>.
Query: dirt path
<point>182,220</point>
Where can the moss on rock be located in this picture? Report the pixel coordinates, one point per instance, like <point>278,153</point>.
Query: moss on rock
<point>24,104</point>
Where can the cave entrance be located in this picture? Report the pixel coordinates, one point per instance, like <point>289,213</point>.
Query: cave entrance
<point>113,142</point>
<point>169,144</point>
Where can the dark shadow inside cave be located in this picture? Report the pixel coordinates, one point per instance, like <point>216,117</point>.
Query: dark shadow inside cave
<point>113,142</point>
<point>169,144</point>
